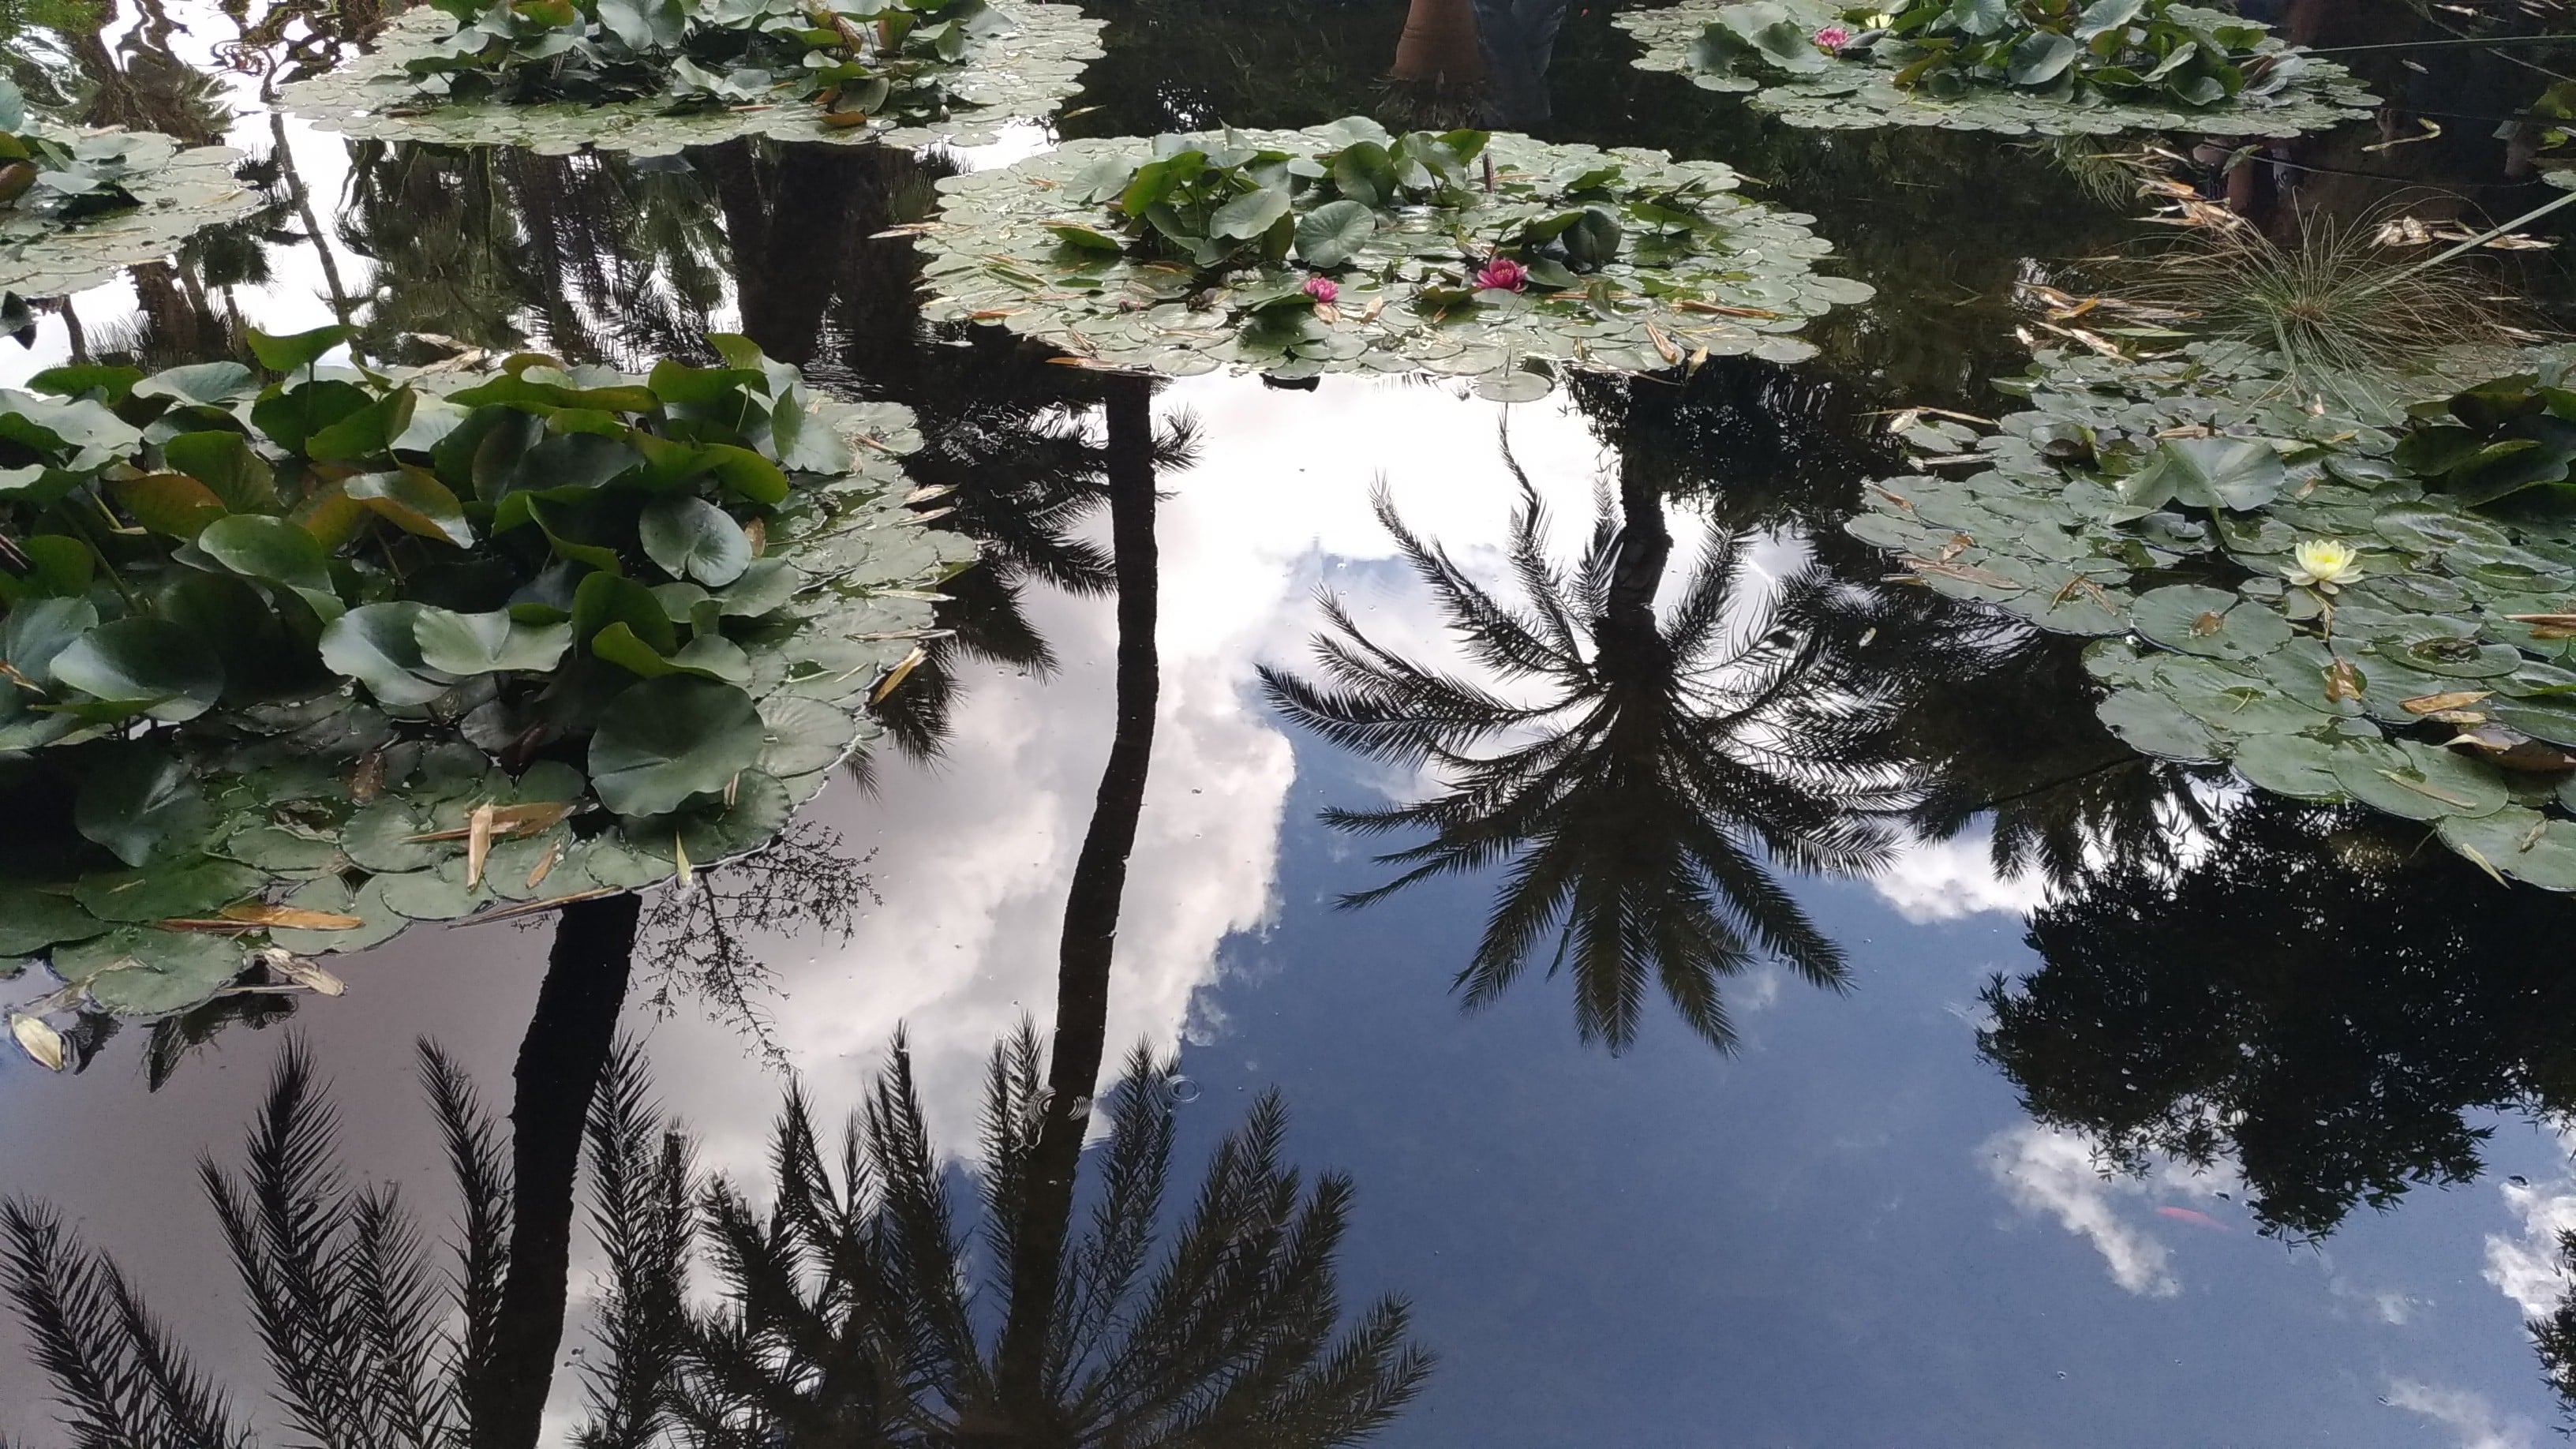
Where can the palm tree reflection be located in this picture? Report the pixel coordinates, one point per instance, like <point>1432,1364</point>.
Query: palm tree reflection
<point>847,1320</point>
<point>844,1317</point>
<point>1639,773</point>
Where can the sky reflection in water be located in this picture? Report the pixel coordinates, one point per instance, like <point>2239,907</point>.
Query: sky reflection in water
<point>1847,1232</point>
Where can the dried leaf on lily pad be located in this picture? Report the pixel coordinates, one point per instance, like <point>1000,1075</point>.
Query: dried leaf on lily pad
<point>42,1044</point>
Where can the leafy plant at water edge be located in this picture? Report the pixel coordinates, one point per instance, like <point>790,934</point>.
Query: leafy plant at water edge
<point>292,657</point>
<point>2057,67</point>
<point>1342,247</point>
<point>652,76</point>
<point>2313,592</point>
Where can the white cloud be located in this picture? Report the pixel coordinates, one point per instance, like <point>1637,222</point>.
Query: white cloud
<point>2528,1268</point>
<point>2050,1172</point>
<point>974,854</point>
<point>2466,1414</point>
<point>1948,880</point>
<point>2053,1173</point>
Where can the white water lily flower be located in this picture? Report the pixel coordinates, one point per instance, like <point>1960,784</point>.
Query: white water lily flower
<point>2324,563</point>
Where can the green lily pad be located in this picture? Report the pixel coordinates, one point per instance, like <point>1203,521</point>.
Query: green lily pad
<point>802,735</point>
<point>672,738</point>
<point>32,920</point>
<point>1854,92</point>
<point>150,666</point>
<point>143,805</point>
<point>1715,275</point>
<point>2154,725</point>
<point>147,972</point>
<point>2417,782</point>
<point>167,889</point>
<point>378,645</point>
<point>716,831</point>
<point>691,538</point>
<point>491,643</point>
<point>1015,63</point>
<point>2198,620</point>
<point>2299,766</point>
<point>332,895</point>
<point>382,837</point>
<point>2519,843</point>
<point>433,895</point>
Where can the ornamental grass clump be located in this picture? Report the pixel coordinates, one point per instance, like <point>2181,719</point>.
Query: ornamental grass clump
<point>2347,317</point>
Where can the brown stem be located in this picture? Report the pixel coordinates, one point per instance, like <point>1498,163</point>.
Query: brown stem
<point>560,1061</point>
<point>1090,917</point>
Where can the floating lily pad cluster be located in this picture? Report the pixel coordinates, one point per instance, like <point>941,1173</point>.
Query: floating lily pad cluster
<point>76,206</point>
<point>293,658</point>
<point>1342,247</point>
<point>2343,606</point>
<point>653,76</point>
<point>2049,67</point>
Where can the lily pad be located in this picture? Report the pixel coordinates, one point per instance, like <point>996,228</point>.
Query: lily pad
<point>2522,844</point>
<point>669,739</point>
<point>32,920</point>
<point>142,971</point>
<point>2400,622</point>
<point>2155,725</point>
<point>197,887</point>
<point>1017,65</point>
<point>245,815</point>
<point>2418,781</point>
<point>1861,93</point>
<point>177,191</point>
<point>2299,766</point>
<point>1564,272</point>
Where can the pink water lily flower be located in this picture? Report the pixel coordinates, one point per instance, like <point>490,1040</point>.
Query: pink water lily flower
<point>1323,289</point>
<point>1832,39</point>
<point>1502,274</point>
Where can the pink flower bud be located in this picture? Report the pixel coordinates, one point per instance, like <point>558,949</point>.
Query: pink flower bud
<point>1502,274</point>
<point>1832,39</point>
<point>1322,289</point>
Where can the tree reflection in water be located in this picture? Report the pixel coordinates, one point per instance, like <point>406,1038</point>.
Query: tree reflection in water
<point>2311,995</point>
<point>848,1321</point>
<point>842,1316</point>
<point>1638,774</point>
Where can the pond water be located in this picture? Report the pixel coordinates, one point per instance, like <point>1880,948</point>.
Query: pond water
<point>2144,1111</point>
